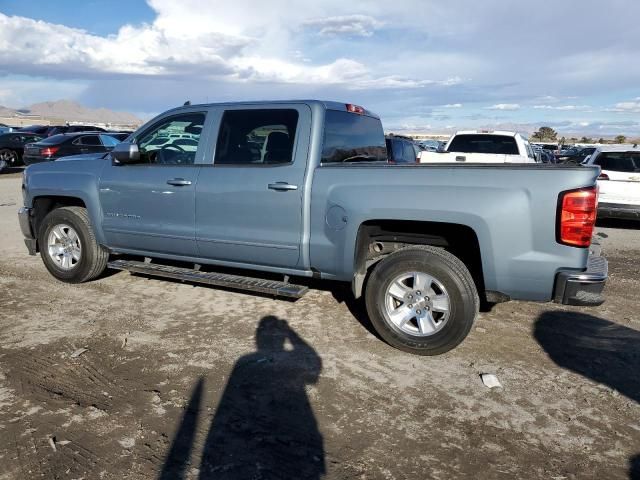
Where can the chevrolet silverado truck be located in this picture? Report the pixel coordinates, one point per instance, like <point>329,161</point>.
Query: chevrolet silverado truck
<point>483,146</point>
<point>284,190</point>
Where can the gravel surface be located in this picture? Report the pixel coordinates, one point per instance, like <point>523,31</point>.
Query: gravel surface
<point>179,381</point>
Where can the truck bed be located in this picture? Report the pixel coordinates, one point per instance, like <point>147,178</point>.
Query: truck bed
<point>512,209</point>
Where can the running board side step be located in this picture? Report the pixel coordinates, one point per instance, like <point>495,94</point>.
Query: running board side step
<point>237,282</point>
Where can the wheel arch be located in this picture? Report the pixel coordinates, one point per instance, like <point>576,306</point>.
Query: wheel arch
<point>378,238</point>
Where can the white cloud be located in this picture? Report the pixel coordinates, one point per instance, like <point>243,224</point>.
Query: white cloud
<point>505,106</point>
<point>351,25</point>
<point>562,107</point>
<point>452,105</point>
<point>169,48</point>
<point>627,107</point>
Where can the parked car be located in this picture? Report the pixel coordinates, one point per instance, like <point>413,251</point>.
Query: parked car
<point>65,144</point>
<point>12,148</point>
<point>483,146</point>
<point>431,145</point>
<point>619,181</point>
<point>5,128</point>
<point>401,149</point>
<point>574,154</point>
<point>36,129</point>
<point>55,130</point>
<point>543,155</point>
<point>314,196</point>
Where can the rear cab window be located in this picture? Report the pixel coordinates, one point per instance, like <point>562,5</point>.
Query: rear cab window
<point>619,161</point>
<point>477,143</point>
<point>350,137</point>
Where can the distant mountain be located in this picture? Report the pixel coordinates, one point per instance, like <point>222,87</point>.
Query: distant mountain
<point>70,111</point>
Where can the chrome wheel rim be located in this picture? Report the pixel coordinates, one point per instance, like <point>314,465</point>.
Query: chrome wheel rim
<point>64,247</point>
<point>417,304</point>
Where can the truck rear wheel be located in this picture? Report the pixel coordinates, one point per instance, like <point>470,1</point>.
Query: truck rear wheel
<point>68,246</point>
<point>422,300</point>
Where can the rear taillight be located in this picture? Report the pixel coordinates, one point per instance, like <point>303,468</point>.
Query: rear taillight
<point>603,176</point>
<point>577,216</point>
<point>49,151</point>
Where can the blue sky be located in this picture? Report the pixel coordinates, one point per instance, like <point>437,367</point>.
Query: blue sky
<point>423,65</point>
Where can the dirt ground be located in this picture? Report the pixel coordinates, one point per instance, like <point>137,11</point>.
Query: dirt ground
<point>181,381</point>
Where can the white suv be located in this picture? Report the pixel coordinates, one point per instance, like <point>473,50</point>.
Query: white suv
<point>619,180</point>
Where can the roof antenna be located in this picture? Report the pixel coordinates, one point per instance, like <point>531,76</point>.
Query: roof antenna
<point>187,103</point>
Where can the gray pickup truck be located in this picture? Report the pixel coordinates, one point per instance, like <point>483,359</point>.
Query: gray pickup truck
<point>303,189</point>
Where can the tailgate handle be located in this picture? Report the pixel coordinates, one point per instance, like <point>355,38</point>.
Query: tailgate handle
<point>461,158</point>
<point>179,182</point>
<point>282,186</point>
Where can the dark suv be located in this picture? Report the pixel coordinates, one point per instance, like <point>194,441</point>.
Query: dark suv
<point>401,149</point>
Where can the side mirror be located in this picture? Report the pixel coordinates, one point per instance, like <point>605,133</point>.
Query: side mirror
<point>125,153</point>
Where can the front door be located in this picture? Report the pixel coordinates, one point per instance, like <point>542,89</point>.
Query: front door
<point>150,206</point>
<point>249,201</point>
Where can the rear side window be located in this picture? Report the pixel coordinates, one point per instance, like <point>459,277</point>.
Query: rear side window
<point>257,137</point>
<point>619,161</point>
<point>499,144</point>
<point>349,137</point>
<point>91,140</point>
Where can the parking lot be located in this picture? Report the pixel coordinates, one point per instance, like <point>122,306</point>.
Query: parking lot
<point>176,378</point>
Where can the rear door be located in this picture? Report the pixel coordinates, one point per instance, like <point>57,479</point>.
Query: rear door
<point>249,199</point>
<point>620,182</point>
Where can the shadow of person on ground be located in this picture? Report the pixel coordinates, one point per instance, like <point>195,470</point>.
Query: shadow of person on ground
<point>634,468</point>
<point>177,461</point>
<point>598,349</point>
<point>264,426</point>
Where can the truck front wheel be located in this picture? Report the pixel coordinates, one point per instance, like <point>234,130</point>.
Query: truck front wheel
<point>68,246</point>
<point>422,300</point>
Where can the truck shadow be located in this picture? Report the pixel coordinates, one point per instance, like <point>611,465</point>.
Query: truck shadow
<point>598,349</point>
<point>264,426</point>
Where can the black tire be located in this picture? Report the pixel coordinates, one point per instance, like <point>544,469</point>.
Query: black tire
<point>93,258</point>
<point>445,268</point>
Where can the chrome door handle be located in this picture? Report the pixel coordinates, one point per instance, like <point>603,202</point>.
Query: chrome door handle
<point>179,182</point>
<point>282,186</point>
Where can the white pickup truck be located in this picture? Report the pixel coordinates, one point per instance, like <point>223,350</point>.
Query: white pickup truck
<point>483,146</point>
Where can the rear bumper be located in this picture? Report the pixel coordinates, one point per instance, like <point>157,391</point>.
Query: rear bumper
<point>24,217</point>
<point>583,288</point>
<point>619,210</point>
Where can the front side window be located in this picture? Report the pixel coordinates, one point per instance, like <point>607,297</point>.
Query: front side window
<point>109,141</point>
<point>256,137</point>
<point>349,137</point>
<point>159,146</point>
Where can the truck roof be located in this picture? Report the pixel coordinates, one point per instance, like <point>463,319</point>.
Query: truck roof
<point>326,104</point>
<point>487,132</point>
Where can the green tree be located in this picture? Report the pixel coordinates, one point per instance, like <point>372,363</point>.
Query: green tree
<point>620,139</point>
<point>601,140</point>
<point>586,140</point>
<point>545,134</point>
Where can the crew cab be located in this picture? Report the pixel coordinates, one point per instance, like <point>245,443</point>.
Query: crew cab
<point>619,180</point>
<point>483,146</point>
<point>290,189</point>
